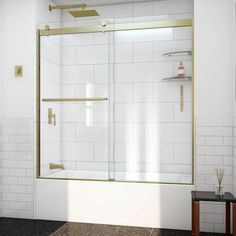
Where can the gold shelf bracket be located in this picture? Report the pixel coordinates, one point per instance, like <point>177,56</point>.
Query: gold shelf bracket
<point>181,98</point>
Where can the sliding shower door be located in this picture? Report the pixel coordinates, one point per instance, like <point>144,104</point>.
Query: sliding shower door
<point>75,106</point>
<point>153,105</point>
<point>117,105</point>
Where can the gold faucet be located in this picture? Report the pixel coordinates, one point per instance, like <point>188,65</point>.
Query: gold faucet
<point>55,166</point>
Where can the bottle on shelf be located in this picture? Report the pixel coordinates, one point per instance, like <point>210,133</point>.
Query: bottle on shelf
<point>181,70</point>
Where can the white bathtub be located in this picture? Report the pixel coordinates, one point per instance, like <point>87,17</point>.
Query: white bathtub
<point>123,176</point>
<point>116,203</point>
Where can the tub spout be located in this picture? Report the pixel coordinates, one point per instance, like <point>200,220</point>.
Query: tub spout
<point>54,166</point>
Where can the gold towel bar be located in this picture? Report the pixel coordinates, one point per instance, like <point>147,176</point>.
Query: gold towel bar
<point>73,99</point>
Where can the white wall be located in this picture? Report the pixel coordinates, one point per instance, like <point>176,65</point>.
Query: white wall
<point>213,24</point>
<point>18,48</point>
<point>213,21</point>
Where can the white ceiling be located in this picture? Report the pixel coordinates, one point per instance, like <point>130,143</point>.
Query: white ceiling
<point>97,2</point>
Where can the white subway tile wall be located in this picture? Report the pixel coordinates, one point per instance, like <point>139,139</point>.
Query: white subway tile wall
<point>139,68</point>
<point>17,162</point>
<point>17,168</point>
<point>146,110</point>
<point>214,137</point>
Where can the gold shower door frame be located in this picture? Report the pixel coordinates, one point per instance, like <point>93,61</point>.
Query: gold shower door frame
<point>110,28</point>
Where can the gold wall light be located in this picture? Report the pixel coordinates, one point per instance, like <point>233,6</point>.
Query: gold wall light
<point>18,71</point>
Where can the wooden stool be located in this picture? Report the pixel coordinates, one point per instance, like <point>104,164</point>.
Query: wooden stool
<point>198,196</point>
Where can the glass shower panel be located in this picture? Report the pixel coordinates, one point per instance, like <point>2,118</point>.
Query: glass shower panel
<point>75,105</point>
<point>153,106</point>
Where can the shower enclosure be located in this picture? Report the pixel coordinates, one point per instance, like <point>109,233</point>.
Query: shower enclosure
<point>110,105</point>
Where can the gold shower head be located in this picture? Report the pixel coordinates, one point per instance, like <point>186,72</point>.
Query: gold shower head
<point>84,13</point>
<point>80,13</point>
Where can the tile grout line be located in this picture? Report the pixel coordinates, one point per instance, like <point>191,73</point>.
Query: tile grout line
<point>151,232</point>
<point>58,231</point>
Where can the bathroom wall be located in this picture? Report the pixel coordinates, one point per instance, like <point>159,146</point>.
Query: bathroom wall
<point>146,11</point>
<point>213,150</point>
<point>17,154</point>
<point>85,128</point>
<point>18,108</point>
<point>214,101</point>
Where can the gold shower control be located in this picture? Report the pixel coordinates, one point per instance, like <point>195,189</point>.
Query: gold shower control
<point>51,117</point>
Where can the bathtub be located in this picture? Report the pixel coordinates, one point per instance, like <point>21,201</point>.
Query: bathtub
<point>123,176</point>
<point>113,202</point>
<point>116,203</point>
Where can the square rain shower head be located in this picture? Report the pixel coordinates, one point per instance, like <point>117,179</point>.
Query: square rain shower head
<point>84,13</point>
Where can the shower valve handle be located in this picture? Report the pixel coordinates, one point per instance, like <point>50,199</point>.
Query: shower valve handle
<point>51,117</point>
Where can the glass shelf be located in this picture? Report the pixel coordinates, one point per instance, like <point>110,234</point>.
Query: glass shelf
<point>178,79</point>
<point>179,53</point>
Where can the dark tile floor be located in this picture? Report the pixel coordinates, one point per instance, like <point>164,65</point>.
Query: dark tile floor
<point>20,227</point>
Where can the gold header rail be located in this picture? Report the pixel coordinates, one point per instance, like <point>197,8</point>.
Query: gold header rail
<point>117,27</point>
<point>74,99</point>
